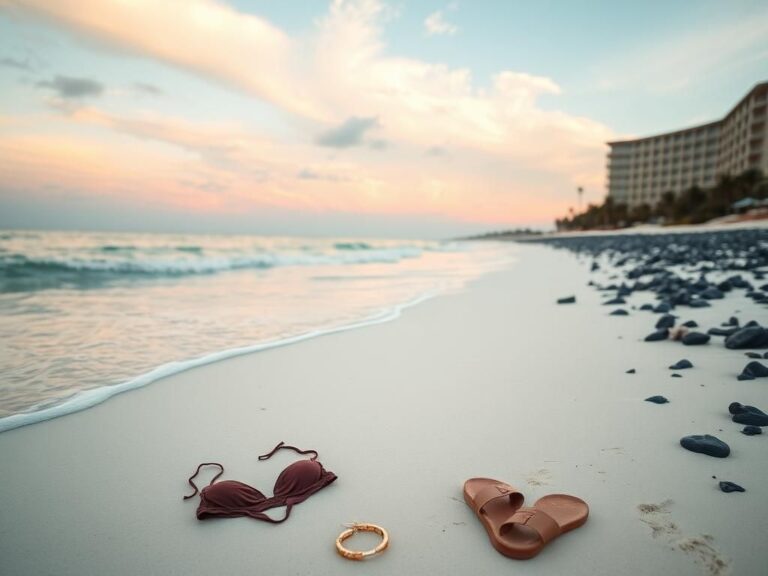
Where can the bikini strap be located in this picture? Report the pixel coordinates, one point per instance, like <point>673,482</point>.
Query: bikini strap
<point>191,478</point>
<point>283,445</point>
<point>265,518</point>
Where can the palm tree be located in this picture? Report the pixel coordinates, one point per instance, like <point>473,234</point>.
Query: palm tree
<point>667,205</point>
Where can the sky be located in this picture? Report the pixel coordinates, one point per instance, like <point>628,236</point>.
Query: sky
<point>347,117</point>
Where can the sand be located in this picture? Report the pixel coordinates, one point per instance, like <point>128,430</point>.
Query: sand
<point>496,380</point>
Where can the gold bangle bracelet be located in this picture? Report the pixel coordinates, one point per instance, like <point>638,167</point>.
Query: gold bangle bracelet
<point>354,529</point>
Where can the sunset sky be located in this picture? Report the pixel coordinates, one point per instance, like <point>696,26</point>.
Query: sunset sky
<point>404,118</point>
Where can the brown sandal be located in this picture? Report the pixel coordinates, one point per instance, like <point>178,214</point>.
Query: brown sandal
<point>517,531</point>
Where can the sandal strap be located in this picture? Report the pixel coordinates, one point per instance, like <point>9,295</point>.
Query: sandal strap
<point>500,490</point>
<point>545,526</point>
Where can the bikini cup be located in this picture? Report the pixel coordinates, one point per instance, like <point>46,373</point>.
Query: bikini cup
<point>298,478</point>
<point>293,481</point>
<point>229,498</point>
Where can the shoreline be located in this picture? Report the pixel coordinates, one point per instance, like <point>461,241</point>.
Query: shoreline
<point>632,230</point>
<point>496,380</point>
<point>90,398</point>
<point>179,359</point>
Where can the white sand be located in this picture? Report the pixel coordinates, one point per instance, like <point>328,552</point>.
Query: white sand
<point>495,381</point>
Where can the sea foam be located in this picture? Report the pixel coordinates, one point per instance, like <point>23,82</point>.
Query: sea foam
<point>83,313</point>
<point>89,398</point>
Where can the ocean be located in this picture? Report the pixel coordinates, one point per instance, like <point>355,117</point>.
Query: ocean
<point>87,315</point>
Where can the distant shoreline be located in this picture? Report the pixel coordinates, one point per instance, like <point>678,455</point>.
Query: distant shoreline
<point>642,229</point>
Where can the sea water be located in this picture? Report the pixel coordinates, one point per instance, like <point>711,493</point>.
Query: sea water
<point>86,315</point>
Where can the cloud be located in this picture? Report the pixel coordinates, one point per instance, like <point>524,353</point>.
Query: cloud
<point>348,69</point>
<point>227,149</point>
<point>350,133</point>
<point>69,87</point>
<point>250,173</point>
<point>173,163</point>
<point>203,185</point>
<point>341,82</point>
<point>378,144</point>
<point>436,151</point>
<point>312,174</point>
<point>307,174</point>
<point>14,63</point>
<point>205,37</point>
<point>146,88</point>
<point>436,25</point>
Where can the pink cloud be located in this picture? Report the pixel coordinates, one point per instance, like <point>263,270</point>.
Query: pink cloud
<point>341,71</point>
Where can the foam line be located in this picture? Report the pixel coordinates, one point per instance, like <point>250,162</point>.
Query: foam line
<point>173,266</point>
<point>90,398</point>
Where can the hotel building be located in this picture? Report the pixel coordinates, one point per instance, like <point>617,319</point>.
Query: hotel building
<point>640,171</point>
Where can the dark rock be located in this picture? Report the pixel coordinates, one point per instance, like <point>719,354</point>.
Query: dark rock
<point>726,486</point>
<point>712,293</point>
<point>630,371</point>
<point>732,321</point>
<point>681,365</point>
<point>737,408</point>
<point>699,304</point>
<point>747,337</point>
<point>752,430</point>
<point>737,281</point>
<point>657,335</point>
<point>666,321</point>
<point>614,301</point>
<point>567,300</point>
<point>753,418</point>
<point>619,312</point>
<point>722,331</point>
<point>646,307</point>
<point>756,369</point>
<point>595,267</point>
<point>700,284</point>
<point>681,298</point>
<point>690,324</point>
<point>662,308</point>
<point>695,339</point>
<point>706,444</point>
<point>657,399</point>
<point>745,376</point>
<point>751,324</point>
<point>752,355</point>
<point>676,375</point>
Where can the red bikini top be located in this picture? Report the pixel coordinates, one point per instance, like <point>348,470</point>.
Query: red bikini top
<point>230,498</point>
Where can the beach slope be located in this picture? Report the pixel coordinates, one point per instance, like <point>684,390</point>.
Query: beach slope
<point>496,381</point>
